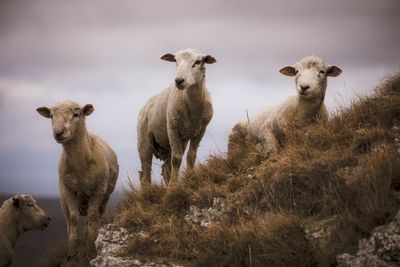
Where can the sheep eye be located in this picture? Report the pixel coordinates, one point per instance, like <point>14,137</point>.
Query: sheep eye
<point>197,62</point>
<point>297,71</point>
<point>76,115</point>
<point>322,72</point>
<point>30,205</point>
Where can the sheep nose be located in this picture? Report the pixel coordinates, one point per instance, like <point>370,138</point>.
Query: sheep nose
<point>304,87</point>
<point>48,218</point>
<point>179,81</point>
<point>59,134</point>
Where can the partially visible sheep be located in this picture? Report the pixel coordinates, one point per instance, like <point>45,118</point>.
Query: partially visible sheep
<point>18,214</point>
<point>311,81</point>
<point>88,171</point>
<point>177,115</point>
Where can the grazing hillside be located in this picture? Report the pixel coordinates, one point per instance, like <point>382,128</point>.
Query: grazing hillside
<point>330,185</point>
<point>328,188</point>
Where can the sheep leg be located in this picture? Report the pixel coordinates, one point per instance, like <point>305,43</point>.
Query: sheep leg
<point>192,153</point>
<point>269,143</point>
<point>146,157</point>
<point>176,164</point>
<point>71,212</point>
<point>91,229</point>
<point>103,205</point>
<point>177,150</point>
<point>166,170</point>
<point>110,188</point>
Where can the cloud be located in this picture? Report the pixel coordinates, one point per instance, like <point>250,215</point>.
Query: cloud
<point>107,53</point>
<point>42,38</point>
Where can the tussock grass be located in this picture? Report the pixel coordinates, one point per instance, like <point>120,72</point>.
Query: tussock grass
<point>269,240</point>
<point>338,174</point>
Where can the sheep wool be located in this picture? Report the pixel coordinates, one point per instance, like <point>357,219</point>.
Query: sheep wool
<point>88,171</point>
<point>18,215</point>
<point>176,116</point>
<point>311,75</point>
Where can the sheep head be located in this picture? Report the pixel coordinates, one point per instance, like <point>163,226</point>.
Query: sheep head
<point>28,214</point>
<point>190,69</point>
<point>311,75</point>
<point>67,118</point>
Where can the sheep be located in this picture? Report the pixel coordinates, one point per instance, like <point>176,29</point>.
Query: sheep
<point>177,115</point>
<point>18,215</point>
<point>300,110</point>
<point>88,171</point>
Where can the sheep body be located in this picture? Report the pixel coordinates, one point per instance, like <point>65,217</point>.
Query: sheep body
<point>18,215</point>
<point>177,115</point>
<point>299,110</point>
<point>88,171</point>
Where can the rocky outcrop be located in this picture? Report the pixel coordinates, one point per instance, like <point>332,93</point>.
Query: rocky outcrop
<point>382,249</point>
<point>205,217</point>
<point>111,239</point>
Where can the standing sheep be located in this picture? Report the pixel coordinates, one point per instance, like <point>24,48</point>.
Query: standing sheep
<point>177,115</point>
<point>88,171</point>
<point>311,80</point>
<point>18,214</point>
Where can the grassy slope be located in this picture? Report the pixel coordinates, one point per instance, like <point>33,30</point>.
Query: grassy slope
<point>343,171</point>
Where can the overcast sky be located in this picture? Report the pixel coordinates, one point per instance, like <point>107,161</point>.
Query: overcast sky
<point>107,53</point>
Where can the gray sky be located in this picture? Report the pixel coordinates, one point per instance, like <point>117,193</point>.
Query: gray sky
<point>107,53</point>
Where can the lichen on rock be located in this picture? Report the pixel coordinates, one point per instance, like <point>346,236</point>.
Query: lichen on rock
<point>205,217</point>
<point>110,240</point>
<point>382,248</point>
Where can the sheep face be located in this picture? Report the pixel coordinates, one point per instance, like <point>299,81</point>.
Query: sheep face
<point>66,118</point>
<point>311,75</point>
<point>190,69</point>
<point>28,214</point>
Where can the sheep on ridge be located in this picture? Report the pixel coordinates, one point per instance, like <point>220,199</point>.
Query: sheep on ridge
<point>88,171</point>
<point>177,115</point>
<point>306,107</point>
<point>18,215</point>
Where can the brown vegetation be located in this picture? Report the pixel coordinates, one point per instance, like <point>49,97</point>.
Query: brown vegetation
<point>344,171</point>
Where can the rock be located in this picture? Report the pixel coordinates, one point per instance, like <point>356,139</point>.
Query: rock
<point>111,261</point>
<point>381,249</point>
<point>251,176</point>
<point>110,240</point>
<point>320,232</point>
<point>207,216</point>
<point>396,132</point>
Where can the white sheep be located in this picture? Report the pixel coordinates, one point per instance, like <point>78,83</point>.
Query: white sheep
<point>177,115</point>
<point>88,171</point>
<point>300,110</point>
<point>18,214</point>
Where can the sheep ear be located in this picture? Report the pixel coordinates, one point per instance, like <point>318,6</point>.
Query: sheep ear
<point>333,71</point>
<point>288,71</point>
<point>87,109</point>
<point>169,57</point>
<point>44,111</point>
<point>17,201</point>
<point>209,59</point>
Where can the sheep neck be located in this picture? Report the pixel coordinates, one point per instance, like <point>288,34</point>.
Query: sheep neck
<point>77,150</point>
<point>195,95</point>
<point>9,228</point>
<point>309,108</point>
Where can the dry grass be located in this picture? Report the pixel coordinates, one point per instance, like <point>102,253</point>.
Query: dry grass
<point>269,240</point>
<point>343,170</point>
